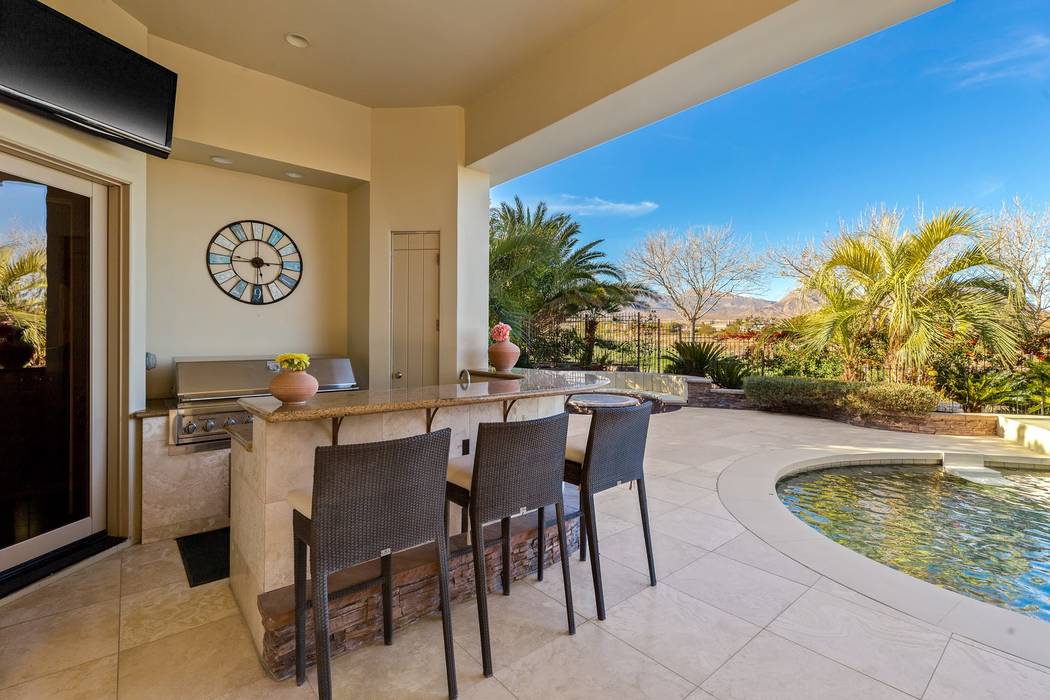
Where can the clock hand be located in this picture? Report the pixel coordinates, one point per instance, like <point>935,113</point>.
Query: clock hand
<point>239,259</point>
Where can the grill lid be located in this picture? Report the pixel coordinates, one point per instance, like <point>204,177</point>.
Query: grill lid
<point>200,380</point>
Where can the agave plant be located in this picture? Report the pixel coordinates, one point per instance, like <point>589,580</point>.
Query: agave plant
<point>693,358</point>
<point>729,373</point>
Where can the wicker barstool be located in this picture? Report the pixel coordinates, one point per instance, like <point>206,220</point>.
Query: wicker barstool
<point>517,467</point>
<point>612,453</point>
<point>369,501</point>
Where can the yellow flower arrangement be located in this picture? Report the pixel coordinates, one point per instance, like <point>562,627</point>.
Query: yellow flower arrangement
<point>293,361</point>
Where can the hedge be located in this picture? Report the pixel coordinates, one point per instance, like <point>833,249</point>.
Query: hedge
<point>830,397</point>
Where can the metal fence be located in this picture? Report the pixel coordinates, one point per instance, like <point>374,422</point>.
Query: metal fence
<point>636,341</point>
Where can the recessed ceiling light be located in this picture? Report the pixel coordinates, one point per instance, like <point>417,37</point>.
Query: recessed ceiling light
<point>294,175</point>
<point>221,160</point>
<point>297,40</point>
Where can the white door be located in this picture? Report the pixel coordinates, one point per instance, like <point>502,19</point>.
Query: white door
<point>52,360</point>
<point>414,297</point>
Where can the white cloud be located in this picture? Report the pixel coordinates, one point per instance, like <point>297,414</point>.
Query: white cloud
<point>596,206</point>
<point>1027,58</point>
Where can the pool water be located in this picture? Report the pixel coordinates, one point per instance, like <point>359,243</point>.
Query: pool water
<point>991,543</point>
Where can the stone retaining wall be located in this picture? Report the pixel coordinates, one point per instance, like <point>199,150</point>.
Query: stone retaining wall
<point>705,393</point>
<point>968,424</point>
<point>356,613</point>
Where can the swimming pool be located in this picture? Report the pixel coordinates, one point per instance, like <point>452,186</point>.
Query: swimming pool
<point>991,543</point>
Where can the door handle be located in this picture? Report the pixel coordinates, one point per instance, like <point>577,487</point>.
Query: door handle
<point>398,375</point>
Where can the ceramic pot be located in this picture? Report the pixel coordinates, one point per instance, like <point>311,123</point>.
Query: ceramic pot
<point>292,387</point>
<point>503,355</point>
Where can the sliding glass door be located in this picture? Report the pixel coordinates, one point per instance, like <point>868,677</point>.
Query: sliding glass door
<point>52,360</point>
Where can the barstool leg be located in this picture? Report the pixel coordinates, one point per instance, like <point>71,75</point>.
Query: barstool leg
<point>541,542</point>
<point>596,567</point>
<point>583,530</point>
<point>505,541</point>
<point>446,615</point>
<point>559,511</point>
<point>299,549</point>
<point>481,588</point>
<point>643,503</point>
<point>321,642</point>
<point>387,565</point>
<point>463,518</point>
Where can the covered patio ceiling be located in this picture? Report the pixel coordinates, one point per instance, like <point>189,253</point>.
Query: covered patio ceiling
<point>538,80</point>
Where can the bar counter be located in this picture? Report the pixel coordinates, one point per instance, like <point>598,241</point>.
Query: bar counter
<point>278,456</point>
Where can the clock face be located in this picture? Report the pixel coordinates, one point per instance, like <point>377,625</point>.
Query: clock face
<point>254,262</point>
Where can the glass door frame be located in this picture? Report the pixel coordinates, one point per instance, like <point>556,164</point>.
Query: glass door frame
<point>98,414</point>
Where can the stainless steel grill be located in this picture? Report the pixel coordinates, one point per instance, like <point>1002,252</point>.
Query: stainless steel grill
<point>207,391</point>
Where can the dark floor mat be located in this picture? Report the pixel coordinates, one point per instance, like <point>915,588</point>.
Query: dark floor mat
<point>206,556</point>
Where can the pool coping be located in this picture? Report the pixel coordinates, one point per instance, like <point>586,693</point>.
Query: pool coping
<point>747,488</point>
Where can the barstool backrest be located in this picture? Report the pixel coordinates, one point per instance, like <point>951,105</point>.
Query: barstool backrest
<point>616,446</point>
<point>377,498</point>
<point>518,466</point>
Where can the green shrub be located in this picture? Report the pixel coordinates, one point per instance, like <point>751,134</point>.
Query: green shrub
<point>829,397</point>
<point>693,358</point>
<point>729,372</point>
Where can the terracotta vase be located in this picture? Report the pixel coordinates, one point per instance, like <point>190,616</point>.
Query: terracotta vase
<point>503,355</point>
<point>294,388</point>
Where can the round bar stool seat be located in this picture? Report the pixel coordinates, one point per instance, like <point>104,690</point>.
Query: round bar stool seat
<point>586,403</point>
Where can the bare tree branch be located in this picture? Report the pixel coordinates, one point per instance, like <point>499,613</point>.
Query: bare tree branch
<point>697,269</point>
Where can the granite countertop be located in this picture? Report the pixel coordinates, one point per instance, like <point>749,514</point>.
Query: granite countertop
<point>533,383</point>
<point>154,408</point>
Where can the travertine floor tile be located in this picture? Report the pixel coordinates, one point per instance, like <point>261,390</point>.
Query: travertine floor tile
<point>710,504</point>
<point>669,553</point>
<point>202,663</point>
<point>269,689</point>
<point>749,549</point>
<point>412,667</point>
<point>687,636</point>
<point>702,476</point>
<point>968,672</point>
<point>752,594</point>
<point>672,491</point>
<point>94,680</point>
<point>518,623</point>
<point>54,643</point>
<point>150,565</point>
<point>699,529</point>
<point>890,649</point>
<point>92,584</point>
<point>771,667</point>
<point>618,583</point>
<point>624,506</point>
<point>591,664</point>
<point>158,612</point>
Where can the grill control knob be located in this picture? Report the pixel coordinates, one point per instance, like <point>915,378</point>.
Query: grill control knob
<point>190,428</point>
<point>209,425</point>
<point>230,420</point>
<point>249,419</point>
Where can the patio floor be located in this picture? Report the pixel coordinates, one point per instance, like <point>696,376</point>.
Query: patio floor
<point>730,618</point>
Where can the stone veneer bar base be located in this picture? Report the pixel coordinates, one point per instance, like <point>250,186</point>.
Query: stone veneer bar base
<point>355,601</point>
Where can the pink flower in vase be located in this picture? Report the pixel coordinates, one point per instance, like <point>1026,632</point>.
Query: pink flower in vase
<point>500,332</point>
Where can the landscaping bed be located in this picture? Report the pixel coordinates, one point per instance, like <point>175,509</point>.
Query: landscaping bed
<point>885,405</point>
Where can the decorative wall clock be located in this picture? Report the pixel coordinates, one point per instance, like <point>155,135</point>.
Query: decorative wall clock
<point>254,262</point>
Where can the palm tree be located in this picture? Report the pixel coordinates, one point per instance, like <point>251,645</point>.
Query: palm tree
<point>23,293</point>
<point>538,269</point>
<point>917,290</point>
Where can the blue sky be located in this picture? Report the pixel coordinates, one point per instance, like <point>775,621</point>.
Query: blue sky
<point>952,107</point>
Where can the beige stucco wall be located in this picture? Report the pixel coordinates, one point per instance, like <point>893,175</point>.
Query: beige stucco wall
<point>225,105</point>
<point>357,264</point>
<point>414,185</point>
<point>187,315</point>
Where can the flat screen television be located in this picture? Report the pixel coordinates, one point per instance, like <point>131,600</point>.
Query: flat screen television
<point>55,66</point>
